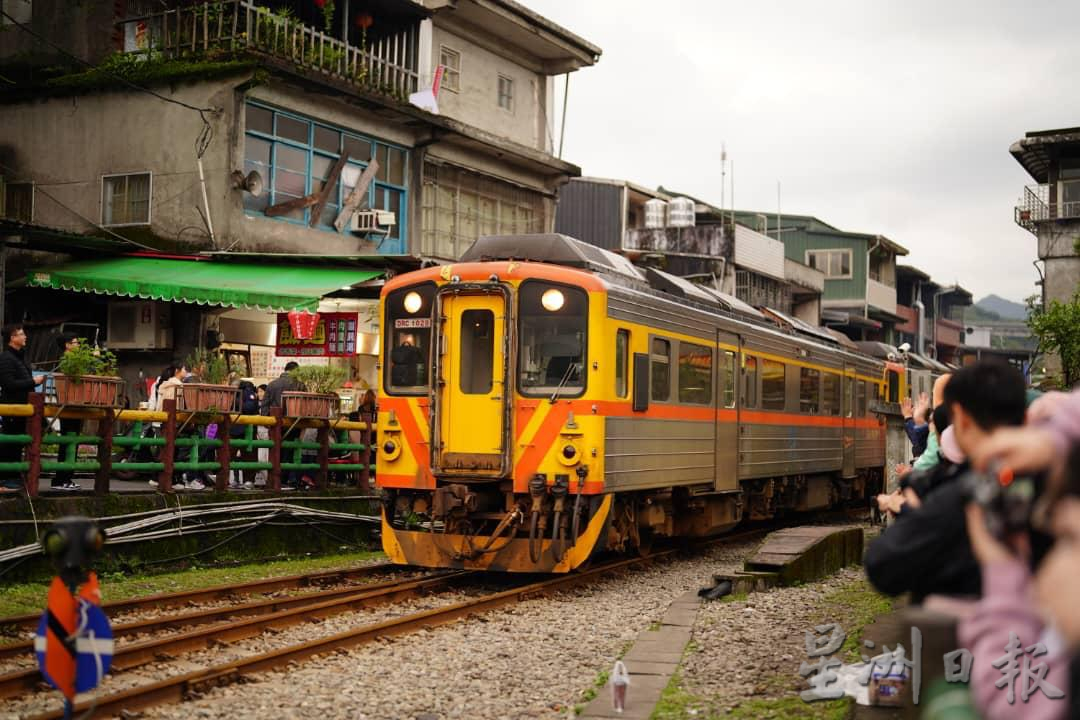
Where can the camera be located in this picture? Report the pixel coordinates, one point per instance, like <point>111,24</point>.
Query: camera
<point>1006,500</point>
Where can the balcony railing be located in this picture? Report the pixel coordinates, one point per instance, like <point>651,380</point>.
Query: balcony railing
<point>881,295</point>
<point>1036,206</point>
<point>388,65</point>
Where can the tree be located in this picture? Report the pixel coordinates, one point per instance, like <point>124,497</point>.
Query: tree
<point>1057,326</point>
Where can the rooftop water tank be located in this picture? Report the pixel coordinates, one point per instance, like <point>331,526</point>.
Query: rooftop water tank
<point>655,213</point>
<point>681,212</point>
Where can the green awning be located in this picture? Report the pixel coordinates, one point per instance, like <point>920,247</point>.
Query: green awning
<point>261,286</point>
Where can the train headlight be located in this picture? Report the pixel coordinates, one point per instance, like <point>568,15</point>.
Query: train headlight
<point>552,300</point>
<point>390,449</point>
<point>413,303</point>
<point>568,455</point>
<point>569,451</point>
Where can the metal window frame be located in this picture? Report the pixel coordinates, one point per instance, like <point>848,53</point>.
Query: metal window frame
<point>5,186</point>
<point>500,79</point>
<point>847,251</point>
<point>149,198</point>
<point>400,229</point>
<point>447,70</point>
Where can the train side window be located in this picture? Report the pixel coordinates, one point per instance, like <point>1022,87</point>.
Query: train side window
<point>750,381</point>
<point>830,394</point>
<point>860,399</point>
<point>809,390</point>
<point>773,384</point>
<point>622,350</point>
<point>894,386</point>
<point>848,395</point>
<point>729,379</point>
<point>695,374</point>
<point>660,369</point>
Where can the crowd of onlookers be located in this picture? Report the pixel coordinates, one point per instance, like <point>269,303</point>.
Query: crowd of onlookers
<point>18,380</point>
<point>989,513</point>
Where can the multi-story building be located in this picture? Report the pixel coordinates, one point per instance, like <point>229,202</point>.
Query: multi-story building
<point>1050,210</point>
<point>933,322</point>
<point>277,128</point>
<point>859,295</point>
<point>689,238</point>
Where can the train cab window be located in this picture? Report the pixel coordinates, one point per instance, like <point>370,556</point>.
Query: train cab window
<point>830,394</point>
<point>860,399</point>
<point>477,347</point>
<point>622,355</point>
<point>729,379</point>
<point>695,374</point>
<point>552,337</point>
<point>408,339</point>
<point>809,390</point>
<point>750,373</point>
<point>773,384</point>
<point>660,369</point>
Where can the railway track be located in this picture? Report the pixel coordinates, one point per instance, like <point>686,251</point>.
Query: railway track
<point>29,621</point>
<point>178,687</point>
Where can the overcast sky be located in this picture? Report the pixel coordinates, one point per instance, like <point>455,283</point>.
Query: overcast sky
<point>882,116</point>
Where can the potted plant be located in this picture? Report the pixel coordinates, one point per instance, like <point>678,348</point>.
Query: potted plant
<point>86,376</point>
<point>210,392</point>
<point>318,399</point>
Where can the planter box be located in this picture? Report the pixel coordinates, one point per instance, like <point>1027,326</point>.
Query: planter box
<point>200,397</point>
<point>310,405</point>
<point>88,390</point>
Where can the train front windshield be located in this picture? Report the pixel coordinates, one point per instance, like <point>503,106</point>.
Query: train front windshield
<point>408,340</point>
<point>552,332</point>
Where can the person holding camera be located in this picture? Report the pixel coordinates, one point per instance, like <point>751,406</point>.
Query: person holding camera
<point>927,550</point>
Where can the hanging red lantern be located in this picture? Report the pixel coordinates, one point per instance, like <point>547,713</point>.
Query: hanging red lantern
<point>320,4</point>
<point>303,323</point>
<point>364,21</point>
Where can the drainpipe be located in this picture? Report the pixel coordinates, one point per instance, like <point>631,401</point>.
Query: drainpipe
<point>920,335</point>
<point>866,302</point>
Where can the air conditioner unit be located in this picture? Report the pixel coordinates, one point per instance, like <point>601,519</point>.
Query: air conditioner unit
<point>373,221</point>
<point>140,325</point>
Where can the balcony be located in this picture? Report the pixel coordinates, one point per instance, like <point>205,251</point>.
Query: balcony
<point>880,296</point>
<point>388,64</point>
<point>947,332</point>
<point>1036,206</point>
<point>911,320</point>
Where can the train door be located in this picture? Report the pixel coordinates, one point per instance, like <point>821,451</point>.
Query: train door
<point>847,412</point>
<point>727,412</point>
<point>471,383</point>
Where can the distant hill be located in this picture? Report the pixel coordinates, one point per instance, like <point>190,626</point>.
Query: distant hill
<point>1002,308</point>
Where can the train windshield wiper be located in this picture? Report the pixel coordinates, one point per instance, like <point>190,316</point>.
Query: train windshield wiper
<point>565,379</point>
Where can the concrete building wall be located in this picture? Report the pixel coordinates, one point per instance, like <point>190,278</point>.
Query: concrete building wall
<point>476,102</point>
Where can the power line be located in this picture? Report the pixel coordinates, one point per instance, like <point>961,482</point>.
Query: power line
<point>202,142</point>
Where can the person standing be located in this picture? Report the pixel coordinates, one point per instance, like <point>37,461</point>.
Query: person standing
<point>65,479</point>
<point>16,382</point>
<point>273,398</point>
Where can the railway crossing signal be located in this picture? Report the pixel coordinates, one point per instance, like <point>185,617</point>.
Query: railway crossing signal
<point>74,643</point>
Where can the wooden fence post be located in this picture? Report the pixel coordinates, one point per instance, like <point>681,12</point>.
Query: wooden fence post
<point>274,480</point>
<point>35,428</point>
<point>168,451</point>
<point>365,454</point>
<point>322,478</point>
<point>104,451</point>
<point>224,454</point>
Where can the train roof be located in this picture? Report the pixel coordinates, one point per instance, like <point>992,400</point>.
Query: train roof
<point>563,250</point>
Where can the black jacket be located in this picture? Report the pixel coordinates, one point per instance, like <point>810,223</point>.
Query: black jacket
<point>16,378</point>
<point>273,391</point>
<point>927,550</point>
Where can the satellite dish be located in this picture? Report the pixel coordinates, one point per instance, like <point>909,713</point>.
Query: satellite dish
<point>252,182</point>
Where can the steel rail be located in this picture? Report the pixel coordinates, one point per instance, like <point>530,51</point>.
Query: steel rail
<point>178,687</point>
<point>209,615</point>
<point>133,655</point>
<point>30,621</point>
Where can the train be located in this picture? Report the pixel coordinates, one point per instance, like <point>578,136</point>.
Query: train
<point>544,400</point>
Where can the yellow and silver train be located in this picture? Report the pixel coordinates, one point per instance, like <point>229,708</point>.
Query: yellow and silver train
<point>544,399</point>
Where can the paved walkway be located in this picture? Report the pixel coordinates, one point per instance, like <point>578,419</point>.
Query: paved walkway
<point>651,662</point>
